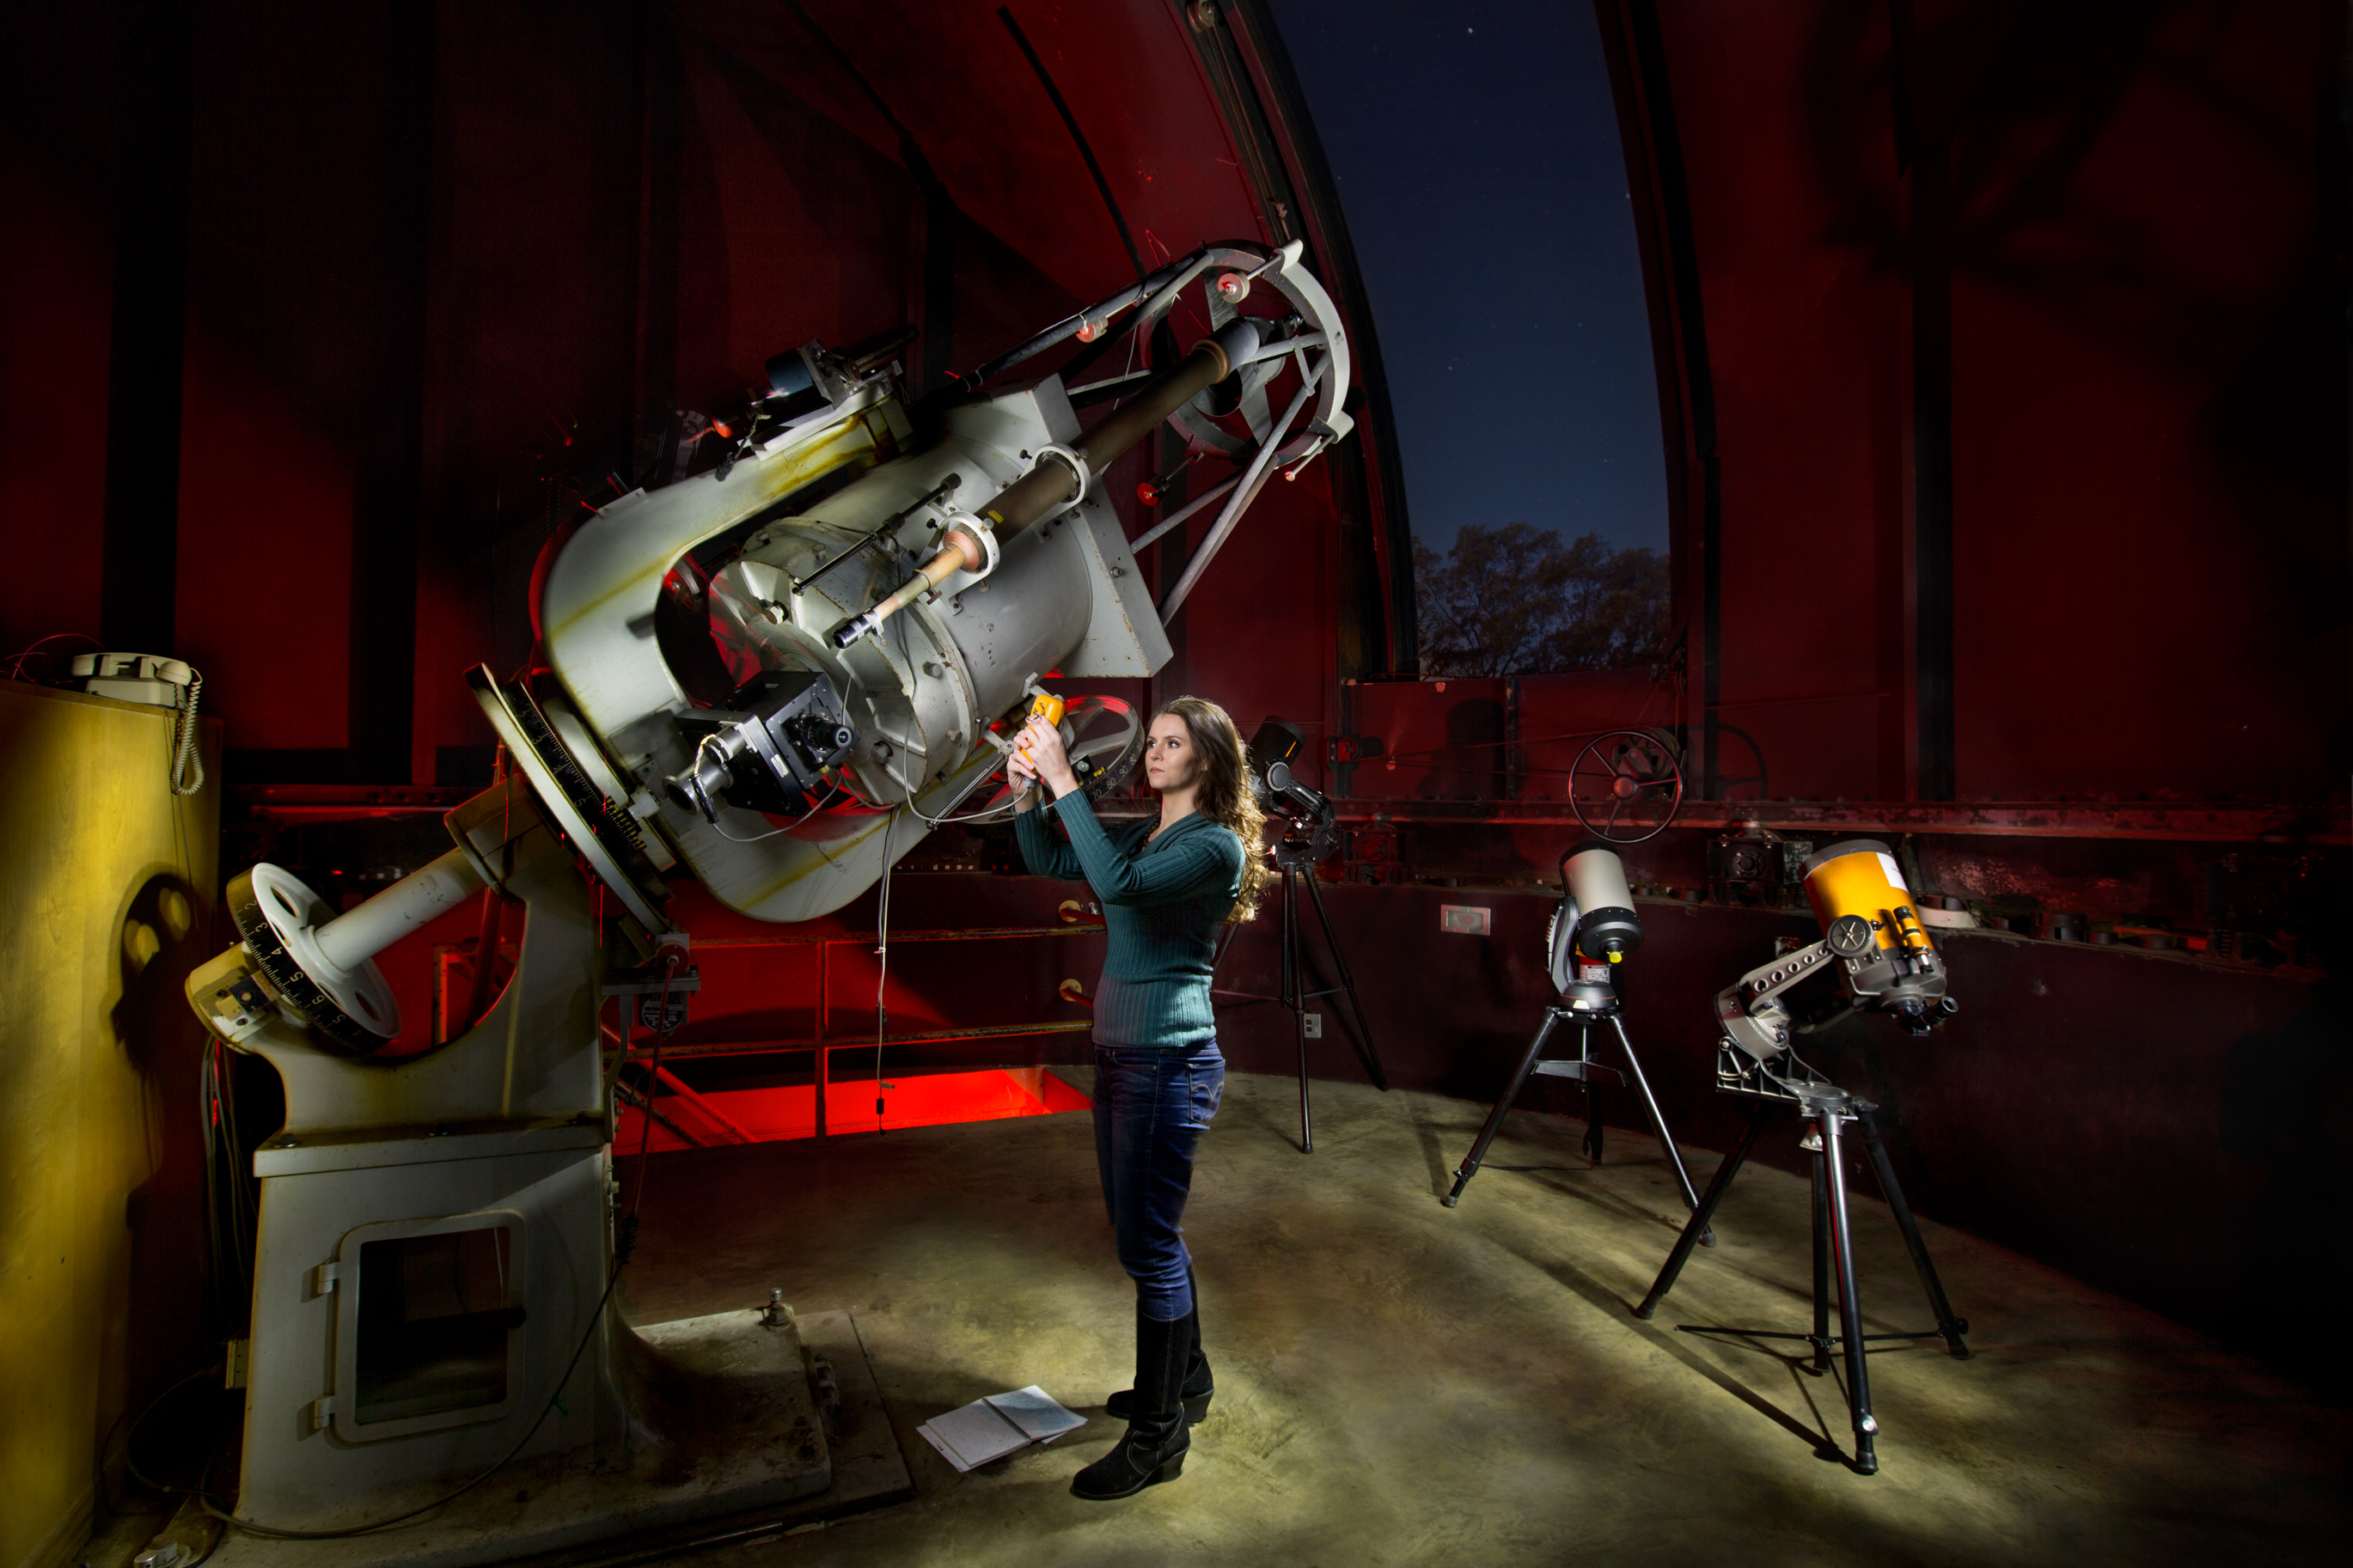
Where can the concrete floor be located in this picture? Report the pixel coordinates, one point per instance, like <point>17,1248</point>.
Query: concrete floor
<point>1399,1383</point>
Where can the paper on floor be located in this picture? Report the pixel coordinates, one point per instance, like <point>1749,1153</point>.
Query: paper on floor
<point>993,1427</point>
<point>1035,1411</point>
<point>972,1435</point>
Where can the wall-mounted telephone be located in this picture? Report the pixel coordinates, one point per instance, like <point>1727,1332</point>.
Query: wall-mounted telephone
<point>159,682</point>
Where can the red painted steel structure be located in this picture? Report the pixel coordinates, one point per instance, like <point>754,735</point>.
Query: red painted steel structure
<point>2139,239</point>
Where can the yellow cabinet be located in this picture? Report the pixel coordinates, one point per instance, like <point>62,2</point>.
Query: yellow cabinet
<point>107,883</point>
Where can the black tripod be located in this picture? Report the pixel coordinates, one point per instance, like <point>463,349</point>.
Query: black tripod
<point>1827,1106</point>
<point>1301,848</point>
<point>1584,1069</point>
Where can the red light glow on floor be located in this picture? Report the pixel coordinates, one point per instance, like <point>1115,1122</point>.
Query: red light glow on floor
<point>772,1115</point>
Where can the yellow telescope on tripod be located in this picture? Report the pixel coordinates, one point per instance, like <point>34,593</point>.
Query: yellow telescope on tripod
<point>1872,940</point>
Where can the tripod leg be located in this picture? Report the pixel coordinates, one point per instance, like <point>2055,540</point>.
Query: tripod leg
<point>1951,1327</point>
<point>1858,1375</point>
<point>1705,1212</point>
<point>1294,995</point>
<point>1363,1038</point>
<point>1592,1096</point>
<point>1822,1270</point>
<point>1659,1123</point>
<point>1470,1165</point>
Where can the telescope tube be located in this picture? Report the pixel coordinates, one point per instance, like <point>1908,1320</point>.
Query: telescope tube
<point>1595,879</point>
<point>1050,486</point>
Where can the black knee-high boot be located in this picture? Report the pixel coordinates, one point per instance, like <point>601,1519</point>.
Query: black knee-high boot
<point>1199,1382</point>
<point>1153,1447</point>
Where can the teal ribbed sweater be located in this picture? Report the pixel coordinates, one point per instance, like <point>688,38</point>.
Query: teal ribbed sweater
<point>1163,902</point>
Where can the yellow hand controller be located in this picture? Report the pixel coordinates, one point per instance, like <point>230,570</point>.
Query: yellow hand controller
<point>1047,706</point>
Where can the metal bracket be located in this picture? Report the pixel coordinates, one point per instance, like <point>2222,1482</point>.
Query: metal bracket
<point>1749,1011</point>
<point>884,533</point>
<point>1772,979</point>
<point>1581,1069</point>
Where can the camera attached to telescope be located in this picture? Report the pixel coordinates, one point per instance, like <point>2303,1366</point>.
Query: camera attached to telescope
<point>767,750</point>
<point>1311,824</point>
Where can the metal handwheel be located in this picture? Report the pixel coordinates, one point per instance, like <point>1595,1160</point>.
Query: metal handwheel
<point>1625,786</point>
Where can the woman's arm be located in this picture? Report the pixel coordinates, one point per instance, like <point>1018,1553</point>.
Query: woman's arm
<point>1045,855</point>
<point>1204,863</point>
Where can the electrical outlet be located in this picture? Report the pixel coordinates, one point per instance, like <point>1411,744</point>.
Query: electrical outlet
<point>1315,1025</point>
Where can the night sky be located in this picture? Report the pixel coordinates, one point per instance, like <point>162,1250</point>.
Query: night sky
<point>1476,150</point>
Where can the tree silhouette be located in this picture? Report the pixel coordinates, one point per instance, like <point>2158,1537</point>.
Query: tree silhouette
<point>1519,600</point>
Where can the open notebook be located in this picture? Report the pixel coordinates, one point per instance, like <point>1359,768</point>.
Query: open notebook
<point>993,1427</point>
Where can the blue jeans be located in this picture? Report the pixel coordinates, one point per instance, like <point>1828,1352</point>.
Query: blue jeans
<point>1152,1105</point>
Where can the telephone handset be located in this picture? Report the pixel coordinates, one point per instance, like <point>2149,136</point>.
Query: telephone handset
<point>158,682</point>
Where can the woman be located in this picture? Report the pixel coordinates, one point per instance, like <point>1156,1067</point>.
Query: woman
<point>1166,888</point>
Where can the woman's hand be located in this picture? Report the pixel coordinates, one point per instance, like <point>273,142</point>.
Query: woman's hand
<point>1022,775</point>
<point>1048,759</point>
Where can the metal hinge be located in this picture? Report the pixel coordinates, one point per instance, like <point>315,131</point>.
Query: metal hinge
<point>239,1364</point>
<point>323,1411</point>
<point>323,1278</point>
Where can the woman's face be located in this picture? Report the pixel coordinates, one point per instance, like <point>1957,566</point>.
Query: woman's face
<point>1170,760</point>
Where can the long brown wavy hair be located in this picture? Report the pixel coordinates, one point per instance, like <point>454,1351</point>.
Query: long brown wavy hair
<point>1224,794</point>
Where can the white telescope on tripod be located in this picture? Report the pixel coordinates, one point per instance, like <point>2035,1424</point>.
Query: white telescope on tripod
<point>1593,929</point>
